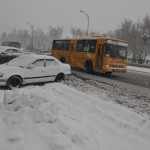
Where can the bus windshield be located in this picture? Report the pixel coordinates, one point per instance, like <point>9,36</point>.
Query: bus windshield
<point>115,51</point>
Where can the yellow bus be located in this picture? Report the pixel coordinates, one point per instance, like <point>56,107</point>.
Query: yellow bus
<point>93,54</point>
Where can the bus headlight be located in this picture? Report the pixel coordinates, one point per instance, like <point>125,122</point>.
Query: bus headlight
<point>106,66</point>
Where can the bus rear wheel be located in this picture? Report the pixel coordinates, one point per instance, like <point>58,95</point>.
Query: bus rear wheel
<point>62,59</point>
<point>108,73</point>
<point>89,67</point>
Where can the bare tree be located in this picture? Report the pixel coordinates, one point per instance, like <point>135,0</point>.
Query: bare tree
<point>76,32</point>
<point>135,33</point>
<point>54,32</point>
<point>3,37</point>
<point>23,37</point>
<point>94,33</point>
<point>40,40</point>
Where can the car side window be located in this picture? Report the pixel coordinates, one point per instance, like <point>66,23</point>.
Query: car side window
<point>51,62</point>
<point>8,50</point>
<point>38,63</point>
<point>15,51</point>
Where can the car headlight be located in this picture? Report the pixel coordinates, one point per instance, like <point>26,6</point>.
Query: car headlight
<point>1,74</point>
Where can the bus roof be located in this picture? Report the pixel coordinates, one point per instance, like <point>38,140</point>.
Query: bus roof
<point>93,38</point>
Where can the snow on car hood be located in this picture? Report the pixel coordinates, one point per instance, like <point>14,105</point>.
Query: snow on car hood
<point>7,67</point>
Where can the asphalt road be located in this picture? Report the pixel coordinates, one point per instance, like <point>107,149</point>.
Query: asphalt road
<point>131,77</point>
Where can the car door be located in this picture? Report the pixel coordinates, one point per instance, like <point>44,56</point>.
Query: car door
<point>52,69</point>
<point>35,72</point>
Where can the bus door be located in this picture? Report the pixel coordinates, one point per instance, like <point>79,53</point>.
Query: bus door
<point>100,54</point>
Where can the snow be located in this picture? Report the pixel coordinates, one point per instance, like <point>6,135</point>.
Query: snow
<point>74,115</point>
<point>57,116</point>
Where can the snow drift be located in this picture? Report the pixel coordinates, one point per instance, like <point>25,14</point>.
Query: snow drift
<point>58,117</point>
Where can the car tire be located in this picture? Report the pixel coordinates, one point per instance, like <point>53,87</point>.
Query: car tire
<point>60,78</point>
<point>14,82</point>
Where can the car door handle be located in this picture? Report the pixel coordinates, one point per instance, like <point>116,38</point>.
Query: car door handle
<point>43,71</point>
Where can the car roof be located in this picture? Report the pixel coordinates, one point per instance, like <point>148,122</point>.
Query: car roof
<point>8,47</point>
<point>37,56</point>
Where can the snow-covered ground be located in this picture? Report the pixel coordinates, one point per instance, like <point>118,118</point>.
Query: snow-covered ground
<point>74,115</point>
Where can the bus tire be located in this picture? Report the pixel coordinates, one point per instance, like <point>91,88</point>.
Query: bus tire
<point>62,59</point>
<point>89,67</point>
<point>108,73</point>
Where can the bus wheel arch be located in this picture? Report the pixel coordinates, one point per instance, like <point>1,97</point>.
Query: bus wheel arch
<point>88,66</point>
<point>62,59</point>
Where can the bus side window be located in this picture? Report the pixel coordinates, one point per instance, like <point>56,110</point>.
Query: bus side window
<point>61,45</point>
<point>92,49</point>
<point>74,47</point>
<point>86,48</point>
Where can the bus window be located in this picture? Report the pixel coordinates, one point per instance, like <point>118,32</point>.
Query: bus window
<point>86,45</point>
<point>74,47</point>
<point>61,45</point>
<point>116,51</point>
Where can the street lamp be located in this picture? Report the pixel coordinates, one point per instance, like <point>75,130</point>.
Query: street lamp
<point>87,19</point>
<point>32,30</point>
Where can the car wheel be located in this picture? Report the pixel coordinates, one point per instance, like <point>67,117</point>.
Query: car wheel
<point>14,82</point>
<point>60,78</point>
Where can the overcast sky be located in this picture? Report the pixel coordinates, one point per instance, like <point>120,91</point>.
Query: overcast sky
<point>104,15</point>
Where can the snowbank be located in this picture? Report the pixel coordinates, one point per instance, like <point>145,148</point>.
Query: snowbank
<point>58,117</point>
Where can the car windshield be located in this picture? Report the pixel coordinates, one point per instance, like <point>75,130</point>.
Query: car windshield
<point>116,51</point>
<point>21,61</point>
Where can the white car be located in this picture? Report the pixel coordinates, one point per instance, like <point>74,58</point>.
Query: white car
<point>8,53</point>
<point>27,69</point>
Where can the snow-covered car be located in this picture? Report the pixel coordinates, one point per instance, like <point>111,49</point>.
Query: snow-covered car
<point>8,53</point>
<point>26,69</point>
<point>10,50</point>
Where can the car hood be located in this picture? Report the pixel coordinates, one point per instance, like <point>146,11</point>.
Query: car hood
<point>6,67</point>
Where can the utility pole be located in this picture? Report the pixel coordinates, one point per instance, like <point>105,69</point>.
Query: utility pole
<point>87,33</point>
<point>32,31</point>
